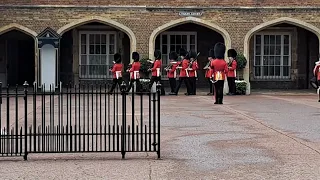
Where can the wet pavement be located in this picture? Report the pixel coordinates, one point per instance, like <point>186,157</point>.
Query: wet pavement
<point>261,136</point>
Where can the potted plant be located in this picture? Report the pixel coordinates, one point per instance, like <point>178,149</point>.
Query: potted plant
<point>241,85</point>
<point>145,74</point>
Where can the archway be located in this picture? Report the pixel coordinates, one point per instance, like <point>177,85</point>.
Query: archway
<point>17,55</point>
<point>189,33</point>
<point>88,46</point>
<point>281,53</point>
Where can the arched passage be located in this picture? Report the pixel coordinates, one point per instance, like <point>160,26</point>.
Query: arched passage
<point>188,33</point>
<point>17,54</point>
<point>294,48</point>
<point>88,46</point>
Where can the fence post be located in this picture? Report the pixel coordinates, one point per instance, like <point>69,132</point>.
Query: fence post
<point>25,85</point>
<point>158,111</point>
<point>124,116</point>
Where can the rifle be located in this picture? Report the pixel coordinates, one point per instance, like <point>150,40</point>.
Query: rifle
<point>190,64</point>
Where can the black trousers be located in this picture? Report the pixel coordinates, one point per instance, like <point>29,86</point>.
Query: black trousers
<point>232,85</point>
<point>210,85</point>
<point>155,79</point>
<point>173,84</point>
<point>193,85</point>
<point>186,82</point>
<point>114,84</point>
<point>137,85</point>
<point>218,86</point>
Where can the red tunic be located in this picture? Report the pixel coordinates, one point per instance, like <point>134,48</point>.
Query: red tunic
<point>193,72</point>
<point>183,71</point>
<point>134,71</point>
<point>156,68</point>
<point>172,73</point>
<point>117,71</point>
<point>232,70</point>
<point>316,71</point>
<point>209,73</point>
<point>220,69</point>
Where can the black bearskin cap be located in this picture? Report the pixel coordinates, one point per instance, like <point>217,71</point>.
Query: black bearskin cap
<point>135,56</point>
<point>219,50</point>
<point>232,53</point>
<point>117,58</point>
<point>157,54</point>
<point>192,54</point>
<point>173,56</point>
<point>211,53</point>
<point>182,52</point>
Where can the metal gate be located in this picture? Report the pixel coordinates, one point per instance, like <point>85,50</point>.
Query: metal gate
<point>78,119</point>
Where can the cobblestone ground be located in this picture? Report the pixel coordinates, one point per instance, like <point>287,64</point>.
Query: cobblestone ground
<point>262,136</point>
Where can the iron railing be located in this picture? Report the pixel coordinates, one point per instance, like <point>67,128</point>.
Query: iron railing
<point>78,119</point>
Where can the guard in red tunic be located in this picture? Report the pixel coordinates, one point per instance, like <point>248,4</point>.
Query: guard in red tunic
<point>316,73</point>
<point>192,71</point>
<point>232,67</point>
<point>156,71</point>
<point>135,72</point>
<point>220,70</point>
<point>183,73</point>
<point>172,71</point>
<point>208,69</point>
<point>116,72</point>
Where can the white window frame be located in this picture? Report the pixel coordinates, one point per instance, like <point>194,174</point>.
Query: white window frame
<point>168,33</point>
<point>87,33</point>
<point>281,77</point>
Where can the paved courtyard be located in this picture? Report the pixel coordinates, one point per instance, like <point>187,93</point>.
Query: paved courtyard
<point>261,136</point>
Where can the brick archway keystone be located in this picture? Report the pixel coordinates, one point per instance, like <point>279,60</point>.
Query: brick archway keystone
<point>262,26</point>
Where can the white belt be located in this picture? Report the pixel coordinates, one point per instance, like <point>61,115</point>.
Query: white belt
<point>175,74</point>
<point>136,74</point>
<point>158,72</point>
<point>118,74</point>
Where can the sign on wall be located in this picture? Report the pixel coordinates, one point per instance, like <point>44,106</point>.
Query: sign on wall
<point>190,13</point>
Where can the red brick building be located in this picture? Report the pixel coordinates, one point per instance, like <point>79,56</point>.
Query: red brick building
<point>279,38</point>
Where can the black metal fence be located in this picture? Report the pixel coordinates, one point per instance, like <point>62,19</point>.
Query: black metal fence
<point>83,118</point>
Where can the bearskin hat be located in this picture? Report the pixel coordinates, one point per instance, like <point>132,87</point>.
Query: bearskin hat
<point>192,54</point>
<point>232,53</point>
<point>182,52</point>
<point>117,58</point>
<point>157,54</point>
<point>219,50</point>
<point>135,56</point>
<point>173,56</point>
<point>211,53</point>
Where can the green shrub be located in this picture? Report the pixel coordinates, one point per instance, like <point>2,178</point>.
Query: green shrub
<point>145,65</point>
<point>241,87</point>
<point>241,61</point>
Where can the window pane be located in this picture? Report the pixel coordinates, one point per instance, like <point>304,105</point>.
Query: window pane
<point>103,49</point>
<point>111,59</point>
<point>272,39</point>
<point>257,60</point>
<point>184,39</point>
<point>164,49</point>
<point>277,60</point>
<point>97,49</point>
<point>192,39</point>
<point>278,50</point>
<point>164,39</point>
<point>265,60</point>
<point>286,39</point>
<point>111,49</point>
<point>83,59</point>
<point>165,59</point>
<point>83,49</point>
<point>103,39</point>
<point>257,71</point>
<point>285,60</point>
<point>272,50</point>
<point>178,39</point>
<point>271,70</point>
<point>184,47</point>
<point>286,71</point>
<point>178,47</point>
<point>91,38</point>
<point>83,70</point>
<point>104,59</point>
<point>172,39</point>
<point>278,39</point>
<point>266,50</point>
<point>266,39</point>
<point>83,38</point>
<point>258,39</point>
<point>271,60</point>
<point>172,48</point>
<point>277,71</point>
<point>258,50</point>
<point>286,50</point>
<point>93,59</point>
<point>265,70</point>
<point>193,48</point>
<point>91,49</point>
<point>97,39</point>
<point>111,39</point>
